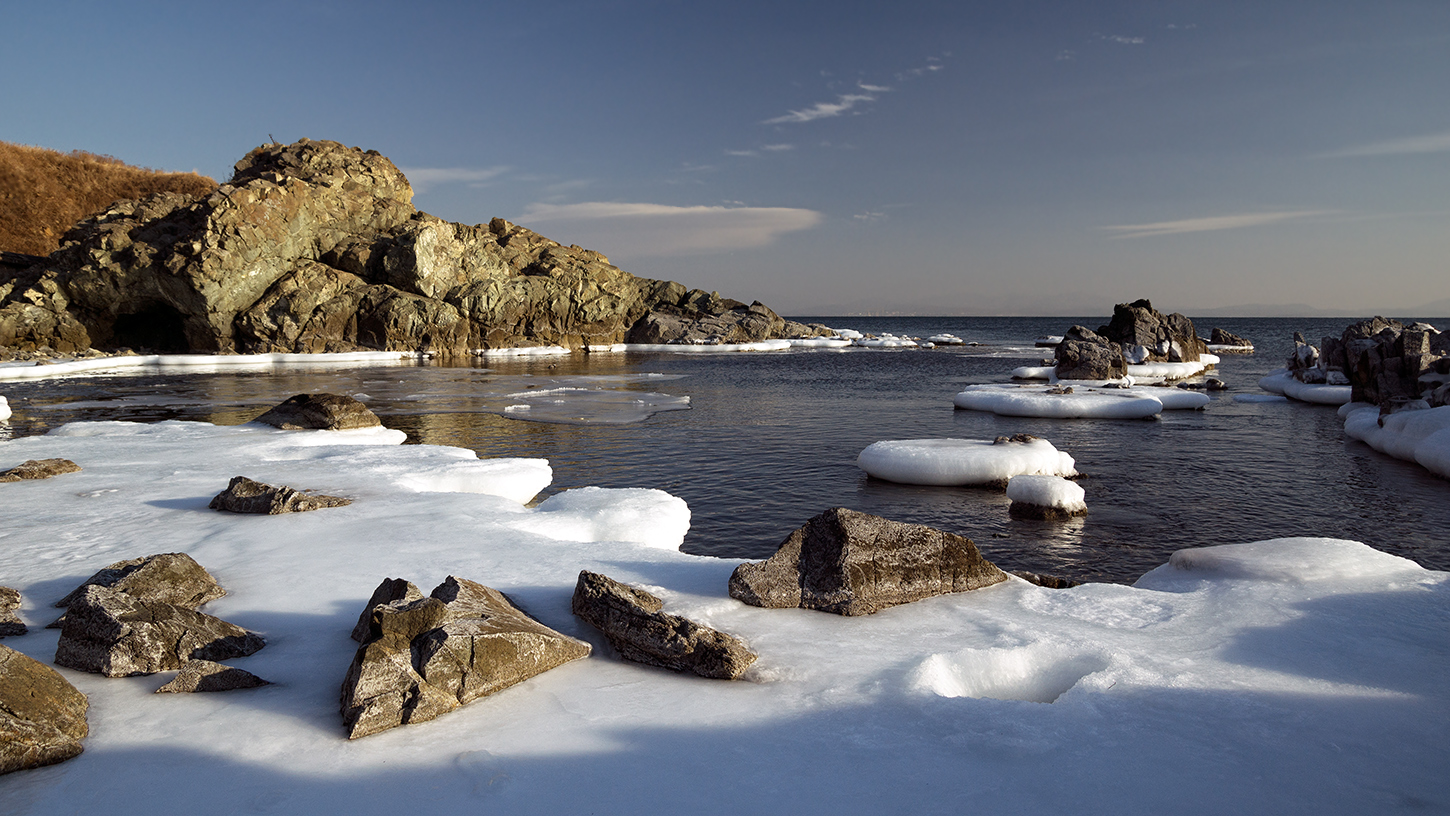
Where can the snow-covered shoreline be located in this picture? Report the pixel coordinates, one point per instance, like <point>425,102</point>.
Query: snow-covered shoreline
<point>1296,675</point>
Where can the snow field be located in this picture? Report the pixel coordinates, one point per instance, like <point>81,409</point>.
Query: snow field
<point>961,461</point>
<point>1047,491</point>
<point>1299,675</point>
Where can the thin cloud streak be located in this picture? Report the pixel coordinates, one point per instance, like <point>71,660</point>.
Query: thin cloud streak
<point>822,110</point>
<point>424,177</point>
<point>1211,224</point>
<point>1433,143</point>
<point>643,229</point>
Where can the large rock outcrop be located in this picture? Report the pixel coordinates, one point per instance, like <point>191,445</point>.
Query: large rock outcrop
<point>1138,333</point>
<point>425,657</point>
<point>1385,362</point>
<point>853,563</point>
<point>315,246</point>
<point>42,716</point>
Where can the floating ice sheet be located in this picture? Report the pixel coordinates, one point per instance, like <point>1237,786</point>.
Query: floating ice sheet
<point>961,461</point>
<point>1037,401</point>
<point>1047,491</point>
<point>1283,383</point>
<point>199,363</point>
<point>1416,436</point>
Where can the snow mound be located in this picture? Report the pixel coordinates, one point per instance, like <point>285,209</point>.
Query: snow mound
<point>653,518</point>
<point>1421,436</point>
<point>1036,401</point>
<point>1282,382</point>
<point>961,461</point>
<point>1047,491</point>
<point>1283,560</point>
<point>887,341</point>
<point>1039,672</point>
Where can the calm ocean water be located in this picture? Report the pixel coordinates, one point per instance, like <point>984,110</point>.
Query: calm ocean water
<point>770,440</point>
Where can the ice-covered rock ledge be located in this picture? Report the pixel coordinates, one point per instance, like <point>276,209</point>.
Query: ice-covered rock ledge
<point>1298,675</point>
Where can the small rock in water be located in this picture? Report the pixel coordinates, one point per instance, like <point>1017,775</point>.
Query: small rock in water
<point>326,412</point>
<point>206,675</point>
<point>244,495</point>
<point>1045,497</point>
<point>632,621</point>
<point>38,469</point>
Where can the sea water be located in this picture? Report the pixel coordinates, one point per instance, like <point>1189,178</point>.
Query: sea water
<point>756,443</point>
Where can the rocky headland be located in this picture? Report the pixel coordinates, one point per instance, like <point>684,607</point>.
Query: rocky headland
<point>1385,363</point>
<point>316,247</point>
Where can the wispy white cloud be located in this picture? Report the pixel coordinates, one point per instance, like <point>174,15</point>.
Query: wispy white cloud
<point>1122,40</point>
<point>742,152</point>
<point>1432,143</point>
<point>1211,224</point>
<point>822,110</point>
<point>424,177</point>
<point>870,216</point>
<point>777,148</point>
<point>641,229</point>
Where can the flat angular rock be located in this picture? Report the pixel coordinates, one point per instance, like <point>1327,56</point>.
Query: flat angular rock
<point>632,621</point>
<point>10,624</point>
<point>111,633</point>
<point>1046,581</point>
<point>326,412</point>
<point>390,590</point>
<point>42,716</point>
<point>207,675</point>
<point>244,495</point>
<point>428,656</point>
<point>38,469</point>
<point>173,578</point>
<point>853,563</point>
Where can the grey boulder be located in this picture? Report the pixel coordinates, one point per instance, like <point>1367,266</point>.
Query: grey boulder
<point>111,633</point>
<point>426,657</point>
<point>42,716</point>
<point>325,412</point>
<point>632,621</point>
<point>853,563</point>
<point>245,495</point>
<point>173,578</point>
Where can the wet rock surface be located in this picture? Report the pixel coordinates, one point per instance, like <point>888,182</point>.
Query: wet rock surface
<point>42,716</point>
<point>632,621</point>
<point>38,469</point>
<point>326,412</point>
<point>207,675</point>
<point>852,563</point>
<point>426,657</point>
<point>111,633</point>
<point>245,495</point>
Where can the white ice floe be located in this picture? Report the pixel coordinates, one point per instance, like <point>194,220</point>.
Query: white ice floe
<point>1275,677</point>
<point>1282,382</point>
<point>522,351</point>
<point>1035,373</point>
<point>820,342</point>
<point>4,409</point>
<point>609,348</point>
<point>848,334</point>
<point>946,340</point>
<point>198,363</point>
<point>710,348</point>
<point>887,341</point>
<point>1085,401</point>
<point>1421,436</point>
<point>1220,348</point>
<point>1047,491</point>
<point>961,461</point>
<point>1148,371</point>
<point>1048,340</point>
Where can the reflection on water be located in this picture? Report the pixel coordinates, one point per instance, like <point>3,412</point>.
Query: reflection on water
<point>772,439</point>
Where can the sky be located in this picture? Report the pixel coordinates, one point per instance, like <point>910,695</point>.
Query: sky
<point>830,158</point>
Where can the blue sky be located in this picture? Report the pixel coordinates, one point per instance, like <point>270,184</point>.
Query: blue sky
<point>830,158</point>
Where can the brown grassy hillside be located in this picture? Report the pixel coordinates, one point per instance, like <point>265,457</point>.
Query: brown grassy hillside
<point>44,192</point>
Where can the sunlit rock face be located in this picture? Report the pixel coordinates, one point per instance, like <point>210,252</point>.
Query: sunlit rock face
<point>315,246</point>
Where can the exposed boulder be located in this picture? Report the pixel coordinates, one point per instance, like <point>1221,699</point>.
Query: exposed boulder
<point>10,624</point>
<point>426,657</point>
<point>853,563</point>
<point>171,578</point>
<point>1171,338</point>
<point>1046,581</point>
<point>325,412</point>
<point>117,635</point>
<point>244,495</point>
<point>1086,355</point>
<point>207,675</point>
<point>42,716</point>
<point>632,621</point>
<point>708,320</point>
<point>315,246</point>
<point>389,591</point>
<point>1230,342</point>
<point>38,469</point>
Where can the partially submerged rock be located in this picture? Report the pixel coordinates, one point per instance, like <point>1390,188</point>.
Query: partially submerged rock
<point>111,633</point>
<point>42,716</point>
<point>632,621</point>
<point>1226,341</point>
<point>426,657</point>
<point>38,469</point>
<point>1045,497</point>
<point>853,563</point>
<point>244,495</point>
<point>327,412</point>
<point>10,624</point>
<point>207,675</point>
<point>1046,581</point>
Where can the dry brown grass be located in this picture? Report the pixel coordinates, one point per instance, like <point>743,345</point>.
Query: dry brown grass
<point>44,192</point>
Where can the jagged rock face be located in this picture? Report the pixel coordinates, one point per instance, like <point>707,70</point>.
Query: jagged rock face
<point>1086,355</point>
<point>1387,362</point>
<point>389,591</point>
<point>1219,337</point>
<point>425,657</point>
<point>1170,338</point>
<point>114,634</point>
<point>42,716</point>
<point>244,495</point>
<point>315,246</point>
<point>171,578</point>
<point>10,624</point>
<point>632,621</point>
<point>324,412</point>
<point>853,563</point>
